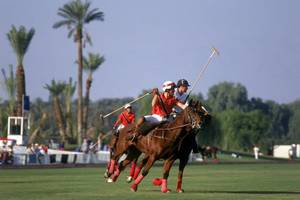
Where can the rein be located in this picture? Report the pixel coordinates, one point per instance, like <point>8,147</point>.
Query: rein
<point>191,123</point>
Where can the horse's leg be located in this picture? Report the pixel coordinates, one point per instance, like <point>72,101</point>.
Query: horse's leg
<point>216,160</point>
<point>106,174</point>
<point>132,169</point>
<point>119,169</point>
<point>114,168</point>
<point>145,171</point>
<point>182,164</point>
<point>132,155</point>
<point>164,182</point>
<point>140,166</point>
<point>112,161</point>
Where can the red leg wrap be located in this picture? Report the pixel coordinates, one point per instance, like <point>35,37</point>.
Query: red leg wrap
<point>136,172</point>
<point>132,169</point>
<point>112,166</point>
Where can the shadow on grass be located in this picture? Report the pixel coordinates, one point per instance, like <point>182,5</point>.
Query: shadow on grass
<point>241,192</point>
<point>232,192</point>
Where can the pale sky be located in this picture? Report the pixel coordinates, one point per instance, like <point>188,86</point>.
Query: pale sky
<point>148,42</point>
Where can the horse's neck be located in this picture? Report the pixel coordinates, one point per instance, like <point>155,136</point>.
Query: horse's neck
<point>175,127</point>
<point>179,120</point>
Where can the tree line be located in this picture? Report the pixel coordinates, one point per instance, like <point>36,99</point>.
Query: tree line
<point>238,122</point>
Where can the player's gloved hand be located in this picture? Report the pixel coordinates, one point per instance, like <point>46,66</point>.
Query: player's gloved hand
<point>155,91</point>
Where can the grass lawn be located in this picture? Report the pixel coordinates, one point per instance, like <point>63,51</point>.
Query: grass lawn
<point>219,181</point>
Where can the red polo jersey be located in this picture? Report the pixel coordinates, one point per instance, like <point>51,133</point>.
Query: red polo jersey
<point>169,103</point>
<point>125,118</point>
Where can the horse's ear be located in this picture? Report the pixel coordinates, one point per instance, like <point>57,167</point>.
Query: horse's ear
<point>191,102</point>
<point>200,103</point>
<point>196,104</point>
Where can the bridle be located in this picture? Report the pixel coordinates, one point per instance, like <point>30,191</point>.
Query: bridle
<point>192,122</point>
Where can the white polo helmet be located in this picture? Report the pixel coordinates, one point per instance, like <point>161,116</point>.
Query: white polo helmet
<point>128,105</point>
<point>167,85</point>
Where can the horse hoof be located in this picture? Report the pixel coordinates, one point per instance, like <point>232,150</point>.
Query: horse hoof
<point>180,190</point>
<point>106,174</point>
<point>166,191</point>
<point>156,181</point>
<point>109,180</point>
<point>133,188</point>
<point>129,179</point>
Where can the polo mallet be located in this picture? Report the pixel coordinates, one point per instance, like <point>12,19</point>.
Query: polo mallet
<point>214,52</point>
<point>102,117</point>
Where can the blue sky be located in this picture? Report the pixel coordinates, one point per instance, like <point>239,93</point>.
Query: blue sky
<point>148,42</point>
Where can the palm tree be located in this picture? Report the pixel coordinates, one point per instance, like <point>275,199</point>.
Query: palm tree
<point>75,15</point>
<point>90,65</point>
<point>68,94</point>
<point>38,129</point>
<point>56,90</point>
<point>9,84</point>
<point>19,41</point>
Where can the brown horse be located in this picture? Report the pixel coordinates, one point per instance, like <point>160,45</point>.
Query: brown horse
<point>165,142</point>
<point>209,152</point>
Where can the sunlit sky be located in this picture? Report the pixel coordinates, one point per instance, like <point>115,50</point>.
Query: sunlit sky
<point>148,42</point>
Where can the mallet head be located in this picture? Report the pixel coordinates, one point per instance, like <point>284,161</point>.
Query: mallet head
<point>215,51</point>
<point>101,117</point>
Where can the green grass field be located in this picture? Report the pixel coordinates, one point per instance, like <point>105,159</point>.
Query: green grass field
<point>219,181</point>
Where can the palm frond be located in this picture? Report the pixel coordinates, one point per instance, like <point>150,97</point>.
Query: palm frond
<point>55,88</point>
<point>88,38</point>
<point>93,62</point>
<point>66,23</point>
<point>20,40</point>
<point>71,32</point>
<point>75,14</point>
<point>94,15</point>
<point>70,88</point>
<point>85,63</point>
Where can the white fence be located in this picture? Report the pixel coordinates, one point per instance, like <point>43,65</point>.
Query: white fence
<point>61,157</point>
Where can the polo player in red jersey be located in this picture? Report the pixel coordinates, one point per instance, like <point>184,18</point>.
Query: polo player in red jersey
<point>162,104</point>
<point>125,118</point>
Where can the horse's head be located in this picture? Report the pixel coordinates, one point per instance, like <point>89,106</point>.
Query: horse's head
<point>192,116</point>
<point>203,117</point>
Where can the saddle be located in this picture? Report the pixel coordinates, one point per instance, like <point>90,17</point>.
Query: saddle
<point>146,127</point>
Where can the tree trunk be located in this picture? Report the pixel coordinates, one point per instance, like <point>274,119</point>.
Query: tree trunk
<point>59,118</point>
<point>86,103</point>
<point>38,129</point>
<point>80,134</point>
<point>20,76</point>
<point>69,119</point>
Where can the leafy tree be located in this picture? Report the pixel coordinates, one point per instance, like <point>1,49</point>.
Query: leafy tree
<point>294,122</point>
<point>90,65</point>
<point>228,95</point>
<point>76,14</point>
<point>242,130</point>
<point>19,41</point>
<point>279,115</point>
<point>143,105</point>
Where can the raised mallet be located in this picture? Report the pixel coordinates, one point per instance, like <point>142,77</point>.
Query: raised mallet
<point>122,107</point>
<point>214,52</point>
